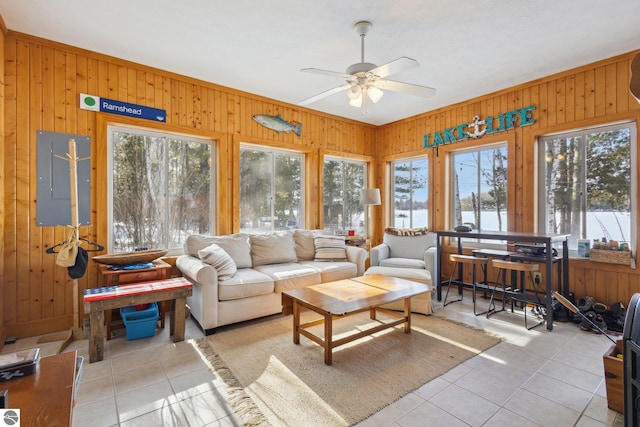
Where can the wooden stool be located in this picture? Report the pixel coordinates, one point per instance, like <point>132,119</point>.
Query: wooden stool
<point>458,261</point>
<point>517,294</point>
<point>489,253</point>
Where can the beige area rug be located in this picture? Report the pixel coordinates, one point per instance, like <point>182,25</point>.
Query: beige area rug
<point>291,385</point>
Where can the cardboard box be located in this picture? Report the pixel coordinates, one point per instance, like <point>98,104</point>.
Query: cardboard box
<point>613,376</point>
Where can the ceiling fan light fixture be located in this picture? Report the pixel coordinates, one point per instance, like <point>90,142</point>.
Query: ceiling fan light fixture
<point>357,101</point>
<point>374,94</point>
<point>354,92</point>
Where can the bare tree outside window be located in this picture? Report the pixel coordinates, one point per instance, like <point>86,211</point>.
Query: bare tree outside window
<point>271,195</point>
<point>587,183</point>
<point>410,192</point>
<point>342,183</point>
<point>480,188</point>
<point>161,189</point>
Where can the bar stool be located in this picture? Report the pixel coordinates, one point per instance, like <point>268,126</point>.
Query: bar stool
<point>458,261</point>
<point>515,294</point>
<point>490,253</point>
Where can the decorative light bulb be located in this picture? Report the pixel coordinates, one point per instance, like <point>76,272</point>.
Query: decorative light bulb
<point>354,92</point>
<point>374,94</point>
<point>356,102</point>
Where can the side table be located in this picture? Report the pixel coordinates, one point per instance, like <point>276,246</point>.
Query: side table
<point>159,271</point>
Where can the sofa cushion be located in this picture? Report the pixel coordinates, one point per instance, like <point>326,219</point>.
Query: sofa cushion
<point>402,263</point>
<point>272,248</point>
<point>305,247</point>
<point>215,256</point>
<point>236,245</point>
<point>245,283</point>
<point>332,271</point>
<point>290,275</point>
<point>329,248</point>
<point>409,246</point>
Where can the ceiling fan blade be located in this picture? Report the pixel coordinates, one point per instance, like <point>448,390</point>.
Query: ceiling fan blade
<point>401,64</point>
<point>325,94</point>
<point>408,88</point>
<point>326,72</point>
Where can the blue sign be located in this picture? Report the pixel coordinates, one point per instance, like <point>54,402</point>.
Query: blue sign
<point>105,105</point>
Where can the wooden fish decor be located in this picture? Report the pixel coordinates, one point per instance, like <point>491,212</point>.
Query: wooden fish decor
<point>277,123</point>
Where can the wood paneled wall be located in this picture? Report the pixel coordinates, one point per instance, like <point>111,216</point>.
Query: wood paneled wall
<point>43,81</point>
<point>3,330</point>
<point>595,94</point>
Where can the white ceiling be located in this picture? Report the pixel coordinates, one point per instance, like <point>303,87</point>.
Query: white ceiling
<point>465,48</point>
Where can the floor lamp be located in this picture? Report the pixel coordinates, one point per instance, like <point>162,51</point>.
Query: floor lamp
<point>369,197</point>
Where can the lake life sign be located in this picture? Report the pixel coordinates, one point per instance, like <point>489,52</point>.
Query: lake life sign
<point>478,128</point>
<point>104,105</point>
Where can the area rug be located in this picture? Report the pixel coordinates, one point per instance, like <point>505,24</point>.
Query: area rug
<point>291,386</point>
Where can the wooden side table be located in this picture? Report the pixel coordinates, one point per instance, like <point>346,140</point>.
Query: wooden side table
<point>159,271</point>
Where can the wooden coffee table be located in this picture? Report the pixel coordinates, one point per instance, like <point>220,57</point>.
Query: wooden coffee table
<point>346,297</point>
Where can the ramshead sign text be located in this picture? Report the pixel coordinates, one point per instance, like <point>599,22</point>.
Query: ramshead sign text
<point>479,128</point>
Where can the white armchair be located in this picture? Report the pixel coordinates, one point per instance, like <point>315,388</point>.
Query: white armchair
<point>406,248</point>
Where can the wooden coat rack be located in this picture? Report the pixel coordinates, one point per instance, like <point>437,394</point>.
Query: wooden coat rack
<point>75,223</point>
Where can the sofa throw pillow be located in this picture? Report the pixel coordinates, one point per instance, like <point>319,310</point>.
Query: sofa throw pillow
<point>305,247</point>
<point>237,246</point>
<point>218,259</point>
<point>420,231</point>
<point>272,248</point>
<point>330,248</point>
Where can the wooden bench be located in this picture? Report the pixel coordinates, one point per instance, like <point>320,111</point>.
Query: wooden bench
<point>98,300</point>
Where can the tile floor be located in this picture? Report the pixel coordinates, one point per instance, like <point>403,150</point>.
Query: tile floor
<point>532,378</point>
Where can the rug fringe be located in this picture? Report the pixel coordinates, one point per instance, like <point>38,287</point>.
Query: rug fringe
<point>245,408</point>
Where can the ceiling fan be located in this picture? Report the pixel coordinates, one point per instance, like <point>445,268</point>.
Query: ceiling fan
<point>366,81</point>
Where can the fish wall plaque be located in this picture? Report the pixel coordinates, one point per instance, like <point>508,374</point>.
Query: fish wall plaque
<point>277,123</point>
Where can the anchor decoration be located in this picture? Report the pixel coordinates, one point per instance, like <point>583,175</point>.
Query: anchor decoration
<point>477,133</point>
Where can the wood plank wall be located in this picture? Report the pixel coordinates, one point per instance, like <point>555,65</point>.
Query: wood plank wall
<point>43,82</point>
<point>595,94</point>
<point>3,330</point>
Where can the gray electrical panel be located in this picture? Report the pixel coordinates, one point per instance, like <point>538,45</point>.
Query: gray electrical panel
<point>54,183</point>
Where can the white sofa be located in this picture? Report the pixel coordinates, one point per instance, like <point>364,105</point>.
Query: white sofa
<point>407,248</point>
<point>263,265</point>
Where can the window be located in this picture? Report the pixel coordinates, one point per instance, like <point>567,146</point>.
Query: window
<point>479,188</point>
<point>410,192</point>
<point>160,189</point>
<point>271,189</point>
<point>343,180</point>
<point>586,183</point>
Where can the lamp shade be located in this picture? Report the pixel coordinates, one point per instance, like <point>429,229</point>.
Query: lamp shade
<point>370,196</point>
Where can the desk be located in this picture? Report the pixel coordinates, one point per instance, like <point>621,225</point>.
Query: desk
<point>95,304</point>
<point>547,239</point>
<point>45,398</point>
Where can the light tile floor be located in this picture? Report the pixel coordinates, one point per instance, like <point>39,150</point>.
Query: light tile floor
<point>532,378</point>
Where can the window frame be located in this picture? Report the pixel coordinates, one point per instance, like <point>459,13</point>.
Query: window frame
<point>365,183</point>
<point>157,133</point>
<point>501,144</point>
<point>273,151</point>
<point>392,189</point>
<point>541,140</point>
